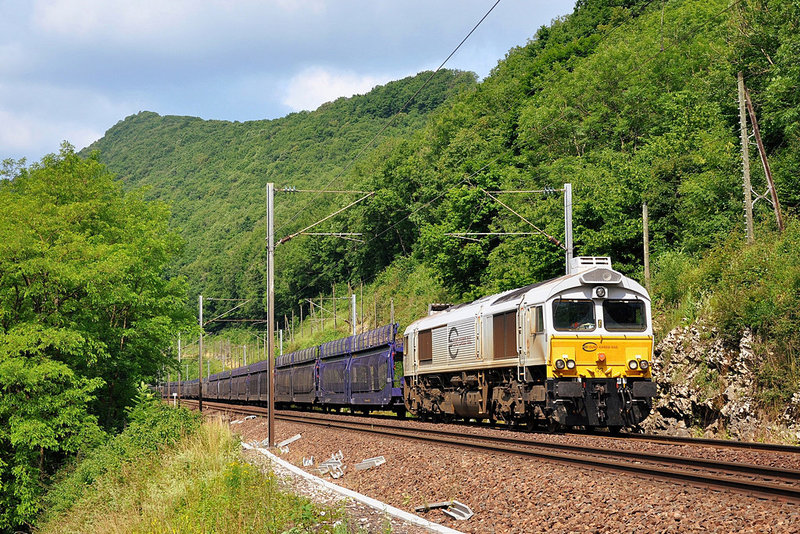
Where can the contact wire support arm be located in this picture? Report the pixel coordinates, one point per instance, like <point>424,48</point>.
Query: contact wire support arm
<point>292,236</point>
<point>550,238</point>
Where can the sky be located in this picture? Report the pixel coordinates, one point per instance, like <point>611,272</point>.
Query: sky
<point>71,69</point>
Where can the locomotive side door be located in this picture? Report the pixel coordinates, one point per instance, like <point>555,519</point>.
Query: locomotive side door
<point>411,348</point>
<point>536,335</point>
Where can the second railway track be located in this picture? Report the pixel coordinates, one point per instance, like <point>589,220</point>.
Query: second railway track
<point>756,480</point>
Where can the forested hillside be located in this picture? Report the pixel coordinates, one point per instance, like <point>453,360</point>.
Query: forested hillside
<point>630,101</point>
<point>213,173</point>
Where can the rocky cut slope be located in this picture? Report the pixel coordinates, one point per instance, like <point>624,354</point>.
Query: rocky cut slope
<point>707,388</point>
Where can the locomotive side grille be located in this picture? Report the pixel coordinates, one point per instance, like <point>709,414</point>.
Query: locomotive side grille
<point>454,343</point>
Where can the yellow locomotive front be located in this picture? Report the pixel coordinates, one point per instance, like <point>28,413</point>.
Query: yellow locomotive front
<point>599,349</point>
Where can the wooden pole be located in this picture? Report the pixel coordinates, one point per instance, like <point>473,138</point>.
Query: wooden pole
<point>334,306</point>
<point>763,153</point>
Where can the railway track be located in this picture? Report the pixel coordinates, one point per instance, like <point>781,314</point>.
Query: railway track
<point>756,480</point>
<point>654,438</point>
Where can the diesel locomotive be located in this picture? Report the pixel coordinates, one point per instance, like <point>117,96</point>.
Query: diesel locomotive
<point>571,351</point>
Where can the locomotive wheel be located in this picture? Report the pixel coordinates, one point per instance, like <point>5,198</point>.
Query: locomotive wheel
<point>554,426</point>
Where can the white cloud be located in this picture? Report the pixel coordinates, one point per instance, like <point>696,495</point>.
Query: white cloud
<point>316,85</point>
<point>163,20</point>
<point>70,69</point>
<point>36,118</point>
<point>21,132</point>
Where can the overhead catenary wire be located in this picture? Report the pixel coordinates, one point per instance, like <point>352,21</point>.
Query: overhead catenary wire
<point>410,214</point>
<point>224,314</point>
<point>292,236</point>
<point>548,236</point>
<point>394,225</point>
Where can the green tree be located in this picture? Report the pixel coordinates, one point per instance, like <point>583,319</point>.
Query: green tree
<point>86,313</point>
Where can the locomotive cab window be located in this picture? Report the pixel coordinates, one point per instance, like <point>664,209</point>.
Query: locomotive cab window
<point>624,315</point>
<point>573,315</point>
<point>537,320</point>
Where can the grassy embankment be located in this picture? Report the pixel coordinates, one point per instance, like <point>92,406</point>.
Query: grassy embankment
<point>171,472</point>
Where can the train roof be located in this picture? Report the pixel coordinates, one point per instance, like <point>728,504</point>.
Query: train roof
<point>383,335</point>
<point>585,271</point>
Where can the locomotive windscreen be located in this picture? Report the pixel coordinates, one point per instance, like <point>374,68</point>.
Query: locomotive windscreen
<point>573,315</point>
<point>624,315</point>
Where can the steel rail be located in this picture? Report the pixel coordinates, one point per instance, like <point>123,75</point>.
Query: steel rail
<point>724,443</point>
<point>704,479</point>
<point>789,474</point>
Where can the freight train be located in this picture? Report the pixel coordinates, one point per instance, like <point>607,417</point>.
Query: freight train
<point>572,351</point>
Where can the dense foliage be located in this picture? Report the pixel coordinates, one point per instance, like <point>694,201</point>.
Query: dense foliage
<point>214,173</point>
<point>740,287</point>
<point>629,100</point>
<point>85,313</point>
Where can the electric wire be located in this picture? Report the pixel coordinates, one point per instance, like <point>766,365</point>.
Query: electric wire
<point>607,35</point>
<point>466,179</point>
<point>391,121</point>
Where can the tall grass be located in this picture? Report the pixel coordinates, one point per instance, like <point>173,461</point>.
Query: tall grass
<point>197,484</point>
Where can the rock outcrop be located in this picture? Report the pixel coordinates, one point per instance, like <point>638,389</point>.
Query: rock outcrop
<point>707,388</point>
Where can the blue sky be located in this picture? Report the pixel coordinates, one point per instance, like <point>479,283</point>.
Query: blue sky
<point>71,69</point>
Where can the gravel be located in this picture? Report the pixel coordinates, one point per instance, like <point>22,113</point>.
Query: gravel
<point>511,494</point>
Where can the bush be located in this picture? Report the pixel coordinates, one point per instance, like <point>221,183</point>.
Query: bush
<point>153,427</point>
<point>738,287</point>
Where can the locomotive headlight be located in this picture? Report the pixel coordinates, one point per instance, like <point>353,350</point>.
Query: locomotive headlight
<point>600,292</point>
<point>644,365</point>
<point>570,364</point>
<point>560,364</point>
<point>633,365</point>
